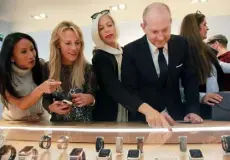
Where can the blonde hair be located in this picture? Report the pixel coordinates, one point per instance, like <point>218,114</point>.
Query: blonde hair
<point>78,72</point>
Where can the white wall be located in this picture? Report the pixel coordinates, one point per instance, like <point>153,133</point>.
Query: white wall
<point>5,28</point>
<point>130,31</point>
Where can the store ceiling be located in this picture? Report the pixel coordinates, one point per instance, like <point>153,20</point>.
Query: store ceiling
<point>79,11</point>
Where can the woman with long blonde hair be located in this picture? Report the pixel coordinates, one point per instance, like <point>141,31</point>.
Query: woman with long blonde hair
<point>68,64</point>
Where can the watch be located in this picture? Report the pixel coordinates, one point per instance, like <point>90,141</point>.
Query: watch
<point>225,141</point>
<point>77,154</point>
<point>99,143</point>
<point>119,145</point>
<point>13,152</point>
<point>45,139</point>
<point>133,154</point>
<point>104,154</point>
<point>3,150</point>
<point>62,142</point>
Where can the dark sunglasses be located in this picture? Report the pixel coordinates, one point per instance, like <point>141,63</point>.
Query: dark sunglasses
<point>106,11</point>
<point>198,12</point>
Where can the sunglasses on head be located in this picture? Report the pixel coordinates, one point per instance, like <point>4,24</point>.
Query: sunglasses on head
<point>106,11</point>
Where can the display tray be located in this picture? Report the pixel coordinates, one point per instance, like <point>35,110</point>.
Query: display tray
<point>151,152</point>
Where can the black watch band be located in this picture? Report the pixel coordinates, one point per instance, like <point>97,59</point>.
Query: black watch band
<point>99,143</point>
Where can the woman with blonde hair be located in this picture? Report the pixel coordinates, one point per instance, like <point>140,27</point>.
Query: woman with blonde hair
<point>112,98</point>
<point>68,64</point>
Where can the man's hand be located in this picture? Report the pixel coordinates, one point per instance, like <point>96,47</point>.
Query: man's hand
<point>194,118</point>
<point>169,119</point>
<point>153,117</point>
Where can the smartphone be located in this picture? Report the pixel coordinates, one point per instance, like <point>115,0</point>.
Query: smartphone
<point>59,96</point>
<point>195,154</point>
<point>133,154</point>
<point>184,122</point>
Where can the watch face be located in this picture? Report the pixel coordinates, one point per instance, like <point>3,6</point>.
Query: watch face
<point>76,152</point>
<point>104,153</point>
<point>26,151</point>
<point>133,153</point>
<point>195,153</point>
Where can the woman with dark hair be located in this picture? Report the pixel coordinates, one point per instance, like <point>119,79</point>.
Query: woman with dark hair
<point>210,71</point>
<point>21,86</point>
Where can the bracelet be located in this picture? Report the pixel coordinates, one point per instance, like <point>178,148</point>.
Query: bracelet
<point>62,142</point>
<point>45,139</point>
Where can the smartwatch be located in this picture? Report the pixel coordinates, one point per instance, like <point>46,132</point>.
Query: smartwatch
<point>77,154</point>
<point>104,154</point>
<point>133,154</point>
<point>195,154</point>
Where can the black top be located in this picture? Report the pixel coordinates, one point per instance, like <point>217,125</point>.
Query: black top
<point>111,90</point>
<point>89,87</point>
<point>140,77</point>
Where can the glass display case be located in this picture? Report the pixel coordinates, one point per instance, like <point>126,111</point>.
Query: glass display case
<point>117,141</point>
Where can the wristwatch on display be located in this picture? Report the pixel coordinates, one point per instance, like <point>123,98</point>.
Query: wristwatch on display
<point>195,154</point>
<point>133,154</point>
<point>225,141</point>
<point>45,139</point>
<point>62,142</point>
<point>140,144</point>
<point>77,154</point>
<point>34,154</point>
<point>26,151</point>
<point>99,143</point>
<point>104,154</point>
<point>119,145</point>
<point>13,152</point>
<point>3,150</point>
<point>183,143</point>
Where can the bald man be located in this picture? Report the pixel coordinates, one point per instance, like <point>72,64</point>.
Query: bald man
<point>153,65</point>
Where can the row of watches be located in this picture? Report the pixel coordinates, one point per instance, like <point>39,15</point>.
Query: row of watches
<point>103,153</point>
<point>76,153</point>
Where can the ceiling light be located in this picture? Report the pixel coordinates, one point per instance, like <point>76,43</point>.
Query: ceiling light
<point>122,6</point>
<point>118,7</point>
<point>40,16</point>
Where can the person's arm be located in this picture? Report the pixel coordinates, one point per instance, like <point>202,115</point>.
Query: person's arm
<point>190,83</point>
<point>27,101</point>
<point>104,70</point>
<point>225,66</point>
<point>130,81</point>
